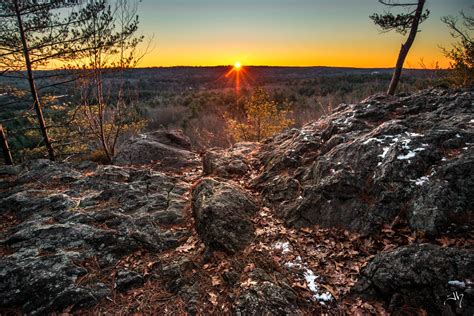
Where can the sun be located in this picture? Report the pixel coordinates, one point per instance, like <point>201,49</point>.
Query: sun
<point>236,74</point>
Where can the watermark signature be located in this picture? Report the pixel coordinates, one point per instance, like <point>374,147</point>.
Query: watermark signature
<point>456,298</point>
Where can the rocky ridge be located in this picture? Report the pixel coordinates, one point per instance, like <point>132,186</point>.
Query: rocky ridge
<point>367,210</point>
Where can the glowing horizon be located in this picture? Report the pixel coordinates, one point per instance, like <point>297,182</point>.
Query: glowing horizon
<point>303,33</point>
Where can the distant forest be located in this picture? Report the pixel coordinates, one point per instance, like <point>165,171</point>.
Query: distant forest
<point>99,97</point>
<point>195,98</point>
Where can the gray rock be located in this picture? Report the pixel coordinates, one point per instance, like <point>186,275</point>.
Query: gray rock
<point>267,296</point>
<point>408,157</point>
<point>174,274</point>
<point>420,276</point>
<point>29,202</point>
<point>44,171</point>
<point>100,216</point>
<point>367,163</point>
<point>42,284</point>
<point>223,212</point>
<point>445,202</point>
<point>126,279</point>
<point>169,149</point>
<point>234,161</point>
<point>7,170</point>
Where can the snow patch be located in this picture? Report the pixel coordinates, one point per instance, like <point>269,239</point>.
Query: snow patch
<point>456,283</point>
<point>390,140</point>
<point>346,121</point>
<point>410,155</point>
<point>310,277</point>
<point>295,264</point>
<point>414,134</point>
<point>384,153</point>
<point>421,181</point>
<point>372,140</point>
<point>284,246</point>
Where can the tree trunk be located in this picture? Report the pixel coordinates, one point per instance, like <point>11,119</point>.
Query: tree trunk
<point>405,48</point>
<point>31,80</point>
<point>7,155</point>
<point>105,147</point>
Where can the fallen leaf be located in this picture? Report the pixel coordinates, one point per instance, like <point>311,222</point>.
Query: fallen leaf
<point>306,230</point>
<point>216,280</point>
<point>249,267</point>
<point>330,290</point>
<point>299,285</point>
<point>212,298</point>
<point>248,283</point>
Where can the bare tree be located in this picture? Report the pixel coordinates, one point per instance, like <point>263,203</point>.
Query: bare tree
<point>401,23</point>
<point>462,52</point>
<point>7,155</point>
<point>107,105</point>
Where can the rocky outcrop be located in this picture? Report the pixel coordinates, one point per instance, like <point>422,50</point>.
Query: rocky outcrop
<point>65,223</point>
<point>160,237</point>
<point>369,163</point>
<point>223,212</point>
<point>169,149</point>
<point>235,161</point>
<point>437,279</point>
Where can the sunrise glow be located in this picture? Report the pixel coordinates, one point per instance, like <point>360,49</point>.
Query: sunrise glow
<point>237,76</point>
<point>285,33</point>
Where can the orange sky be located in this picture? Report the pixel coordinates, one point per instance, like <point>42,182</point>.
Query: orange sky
<point>285,33</point>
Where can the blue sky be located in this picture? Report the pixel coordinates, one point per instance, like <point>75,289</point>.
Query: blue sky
<point>285,32</point>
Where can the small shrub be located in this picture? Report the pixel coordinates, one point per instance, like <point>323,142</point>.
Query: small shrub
<point>262,118</point>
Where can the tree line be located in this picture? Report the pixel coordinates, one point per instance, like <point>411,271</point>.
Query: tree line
<point>89,39</point>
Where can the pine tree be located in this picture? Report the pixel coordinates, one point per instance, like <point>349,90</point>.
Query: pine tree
<point>32,35</point>
<point>401,23</point>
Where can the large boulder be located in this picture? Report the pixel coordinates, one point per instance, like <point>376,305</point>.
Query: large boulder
<point>169,149</point>
<point>369,163</point>
<point>223,212</point>
<point>423,275</point>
